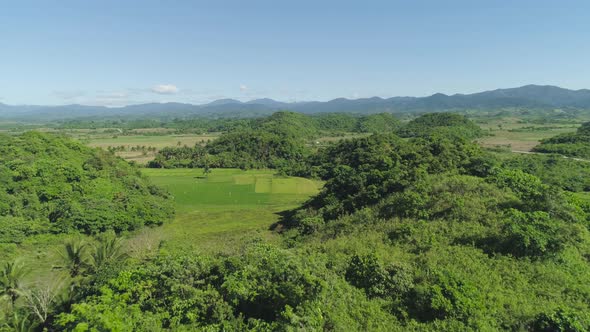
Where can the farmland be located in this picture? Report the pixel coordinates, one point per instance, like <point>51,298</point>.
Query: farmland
<point>226,205</point>
<point>517,135</point>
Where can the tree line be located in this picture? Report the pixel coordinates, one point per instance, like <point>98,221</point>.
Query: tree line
<point>575,145</point>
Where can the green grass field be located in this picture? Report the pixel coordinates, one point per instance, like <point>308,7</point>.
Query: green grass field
<point>213,213</point>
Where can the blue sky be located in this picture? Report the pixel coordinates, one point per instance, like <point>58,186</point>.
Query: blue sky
<point>107,52</point>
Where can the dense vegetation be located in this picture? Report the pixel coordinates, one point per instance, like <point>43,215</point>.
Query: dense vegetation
<point>448,123</point>
<point>425,232</point>
<point>565,173</point>
<point>268,143</point>
<point>445,237</point>
<point>575,145</point>
<point>277,141</point>
<point>53,184</point>
<point>330,122</point>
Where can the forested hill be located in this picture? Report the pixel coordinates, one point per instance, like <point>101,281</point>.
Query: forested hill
<point>575,145</point>
<point>276,141</point>
<point>282,140</point>
<point>442,236</point>
<point>529,96</point>
<point>54,184</point>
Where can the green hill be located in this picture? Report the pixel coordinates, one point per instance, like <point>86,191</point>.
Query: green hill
<point>54,184</point>
<point>575,145</point>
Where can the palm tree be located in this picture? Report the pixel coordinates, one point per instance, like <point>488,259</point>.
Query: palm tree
<point>17,323</point>
<point>109,249</point>
<point>75,256</point>
<point>11,277</point>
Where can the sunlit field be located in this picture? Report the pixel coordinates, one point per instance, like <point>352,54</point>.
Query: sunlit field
<point>214,211</point>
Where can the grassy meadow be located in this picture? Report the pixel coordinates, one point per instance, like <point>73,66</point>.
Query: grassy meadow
<point>134,145</point>
<point>214,211</point>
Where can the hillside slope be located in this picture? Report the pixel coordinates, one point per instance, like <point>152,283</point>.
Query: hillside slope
<point>54,184</point>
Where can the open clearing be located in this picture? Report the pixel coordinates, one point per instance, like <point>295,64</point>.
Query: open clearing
<point>215,212</point>
<point>157,141</point>
<point>141,156</point>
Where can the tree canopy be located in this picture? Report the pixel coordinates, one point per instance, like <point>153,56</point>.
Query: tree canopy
<point>54,184</point>
<point>576,145</point>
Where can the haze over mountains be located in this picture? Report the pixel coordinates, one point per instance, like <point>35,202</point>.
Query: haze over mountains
<point>529,96</point>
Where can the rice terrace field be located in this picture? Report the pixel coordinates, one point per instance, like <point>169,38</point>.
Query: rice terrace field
<point>225,205</point>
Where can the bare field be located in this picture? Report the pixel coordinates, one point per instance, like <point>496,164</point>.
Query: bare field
<point>143,148</point>
<point>157,141</point>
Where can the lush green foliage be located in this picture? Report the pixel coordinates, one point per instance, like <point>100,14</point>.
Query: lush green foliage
<point>278,141</point>
<point>423,233</point>
<point>361,172</point>
<point>259,289</point>
<point>50,183</point>
<point>575,145</point>
<point>312,124</point>
<point>568,174</point>
<point>447,123</point>
<point>239,149</point>
<point>449,238</point>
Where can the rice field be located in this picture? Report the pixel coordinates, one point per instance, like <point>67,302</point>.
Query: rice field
<point>217,211</point>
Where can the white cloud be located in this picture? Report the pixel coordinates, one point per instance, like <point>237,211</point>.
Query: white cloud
<point>165,89</point>
<point>113,95</point>
<point>243,87</point>
<point>69,94</point>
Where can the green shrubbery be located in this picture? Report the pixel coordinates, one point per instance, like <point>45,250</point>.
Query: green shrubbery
<point>575,145</point>
<point>446,123</point>
<point>491,246</point>
<point>278,142</point>
<point>260,288</point>
<point>50,183</point>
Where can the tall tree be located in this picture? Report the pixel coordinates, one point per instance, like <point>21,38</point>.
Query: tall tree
<point>75,256</point>
<point>109,249</point>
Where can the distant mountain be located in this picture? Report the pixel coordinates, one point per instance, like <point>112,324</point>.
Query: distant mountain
<point>223,102</point>
<point>268,102</point>
<point>529,96</point>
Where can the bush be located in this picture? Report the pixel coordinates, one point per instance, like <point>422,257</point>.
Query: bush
<point>562,320</point>
<point>52,180</point>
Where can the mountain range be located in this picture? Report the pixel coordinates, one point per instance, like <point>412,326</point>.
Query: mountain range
<point>529,96</point>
